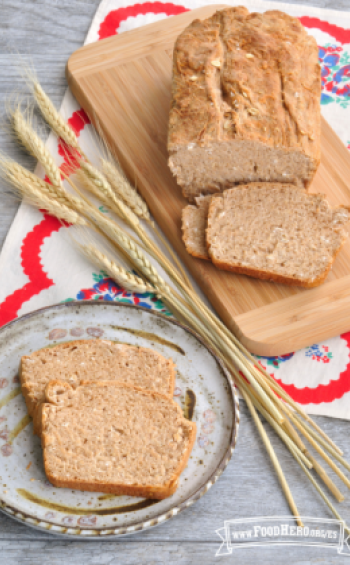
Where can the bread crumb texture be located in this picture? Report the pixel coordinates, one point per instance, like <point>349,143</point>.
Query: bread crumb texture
<point>94,360</point>
<point>112,437</point>
<point>276,232</point>
<point>245,102</point>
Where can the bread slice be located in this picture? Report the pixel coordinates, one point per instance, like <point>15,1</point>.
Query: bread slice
<point>275,232</point>
<point>111,437</point>
<point>94,359</point>
<point>194,224</point>
<point>245,102</point>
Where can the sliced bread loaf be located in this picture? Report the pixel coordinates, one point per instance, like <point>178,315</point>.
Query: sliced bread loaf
<point>275,232</point>
<point>245,102</point>
<point>194,223</point>
<point>97,360</point>
<point>116,438</point>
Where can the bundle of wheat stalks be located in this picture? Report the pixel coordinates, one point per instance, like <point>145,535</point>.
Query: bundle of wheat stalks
<point>107,183</point>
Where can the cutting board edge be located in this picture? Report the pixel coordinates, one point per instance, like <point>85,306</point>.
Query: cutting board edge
<point>291,322</point>
<point>276,345</point>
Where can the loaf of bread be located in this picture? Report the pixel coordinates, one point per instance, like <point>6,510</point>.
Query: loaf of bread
<point>115,438</point>
<point>245,102</point>
<point>94,359</point>
<point>275,232</point>
<point>194,224</point>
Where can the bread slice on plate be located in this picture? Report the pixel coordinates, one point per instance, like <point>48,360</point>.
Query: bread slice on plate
<point>194,224</point>
<point>111,437</point>
<point>275,232</point>
<point>94,359</point>
<point>245,102</point>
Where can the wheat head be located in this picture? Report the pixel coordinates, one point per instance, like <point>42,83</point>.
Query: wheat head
<point>124,190</point>
<point>58,210</point>
<point>16,174</point>
<point>127,280</point>
<point>90,186</point>
<point>134,251</point>
<point>115,203</point>
<point>34,195</point>
<point>53,117</point>
<point>32,142</point>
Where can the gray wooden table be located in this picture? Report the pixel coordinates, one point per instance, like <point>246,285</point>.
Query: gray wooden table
<point>47,32</point>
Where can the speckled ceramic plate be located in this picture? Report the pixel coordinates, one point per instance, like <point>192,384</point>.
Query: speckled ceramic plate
<point>202,389</point>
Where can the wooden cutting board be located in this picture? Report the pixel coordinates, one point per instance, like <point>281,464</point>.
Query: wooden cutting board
<point>124,82</point>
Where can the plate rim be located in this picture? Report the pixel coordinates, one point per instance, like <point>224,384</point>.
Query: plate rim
<point>115,533</point>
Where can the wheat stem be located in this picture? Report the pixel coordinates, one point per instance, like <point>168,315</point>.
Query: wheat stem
<point>279,390</point>
<point>278,429</point>
<point>324,444</point>
<point>297,443</point>
<point>273,457</point>
<point>320,491</point>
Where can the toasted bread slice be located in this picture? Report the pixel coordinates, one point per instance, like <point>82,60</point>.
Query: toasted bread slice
<point>96,360</point>
<point>277,232</point>
<point>112,437</point>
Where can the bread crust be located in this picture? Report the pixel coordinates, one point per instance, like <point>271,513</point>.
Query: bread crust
<point>146,491</point>
<point>269,276</point>
<point>240,76</point>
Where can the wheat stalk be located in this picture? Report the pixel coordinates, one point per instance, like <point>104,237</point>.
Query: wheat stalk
<point>32,142</point>
<point>16,174</point>
<point>127,280</point>
<point>105,189</point>
<point>35,197</point>
<point>124,190</point>
<point>97,184</point>
<point>54,118</point>
<point>42,194</point>
<point>138,205</point>
<point>90,186</point>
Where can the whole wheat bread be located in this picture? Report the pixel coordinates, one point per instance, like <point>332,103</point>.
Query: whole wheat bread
<point>275,232</point>
<point>194,224</point>
<point>94,359</point>
<point>245,102</point>
<point>115,438</point>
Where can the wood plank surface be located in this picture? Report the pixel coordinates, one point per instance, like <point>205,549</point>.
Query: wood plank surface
<point>124,83</point>
<point>47,32</point>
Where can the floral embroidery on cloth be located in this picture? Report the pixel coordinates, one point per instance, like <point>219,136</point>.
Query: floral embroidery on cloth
<point>319,353</point>
<point>335,75</point>
<point>106,288</point>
